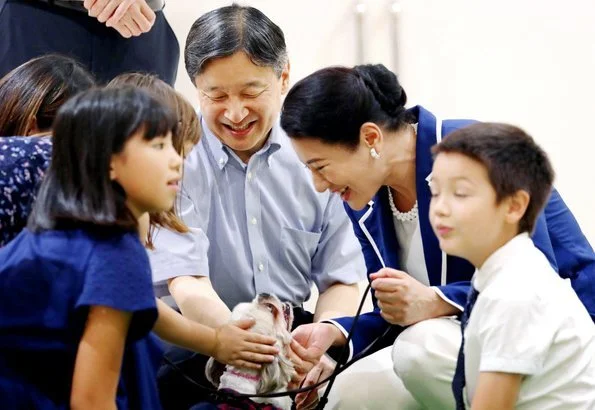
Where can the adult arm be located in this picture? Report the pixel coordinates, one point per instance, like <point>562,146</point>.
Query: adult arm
<point>559,236</point>
<point>336,301</point>
<point>338,264</point>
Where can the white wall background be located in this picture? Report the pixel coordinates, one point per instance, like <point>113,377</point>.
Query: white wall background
<point>527,62</point>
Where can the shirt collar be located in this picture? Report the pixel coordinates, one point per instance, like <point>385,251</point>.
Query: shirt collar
<point>222,152</point>
<point>511,250</point>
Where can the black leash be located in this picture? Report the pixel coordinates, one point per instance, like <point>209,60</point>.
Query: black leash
<point>222,396</point>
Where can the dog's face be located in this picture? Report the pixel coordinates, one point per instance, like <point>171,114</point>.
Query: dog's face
<point>272,318</point>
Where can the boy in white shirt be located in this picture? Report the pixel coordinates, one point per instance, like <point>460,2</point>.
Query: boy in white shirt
<point>528,341</point>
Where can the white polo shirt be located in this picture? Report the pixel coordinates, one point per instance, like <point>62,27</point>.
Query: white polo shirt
<point>528,320</point>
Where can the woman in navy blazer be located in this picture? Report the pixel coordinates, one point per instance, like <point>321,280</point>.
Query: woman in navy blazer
<point>351,128</point>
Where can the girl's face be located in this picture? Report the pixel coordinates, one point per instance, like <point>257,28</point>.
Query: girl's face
<point>149,171</point>
<point>352,174</point>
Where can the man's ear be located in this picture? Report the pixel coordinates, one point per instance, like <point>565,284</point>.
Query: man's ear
<point>517,205</point>
<point>285,79</point>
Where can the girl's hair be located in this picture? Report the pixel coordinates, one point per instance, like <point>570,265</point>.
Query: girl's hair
<point>333,103</point>
<point>36,90</point>
<point>89,129</point>
<point>189,131</point>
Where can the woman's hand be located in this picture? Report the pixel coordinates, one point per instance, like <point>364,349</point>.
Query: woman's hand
<point>236,346</point>
<point>404,301</point>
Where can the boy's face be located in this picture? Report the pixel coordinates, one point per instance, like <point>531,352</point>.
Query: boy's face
<point>463,211</point>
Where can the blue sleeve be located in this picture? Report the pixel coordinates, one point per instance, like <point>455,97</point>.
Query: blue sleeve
<point>371,328</point>
<point>455,292</point>
<point>566,244</point>
<point>118,276</point>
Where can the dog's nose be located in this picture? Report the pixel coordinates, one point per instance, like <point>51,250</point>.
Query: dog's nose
<point>264,296</point>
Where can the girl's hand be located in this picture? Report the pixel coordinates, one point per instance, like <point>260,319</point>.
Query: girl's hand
<point>236,346</point>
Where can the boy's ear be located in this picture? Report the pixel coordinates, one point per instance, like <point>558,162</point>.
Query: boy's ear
<point>517,206</point>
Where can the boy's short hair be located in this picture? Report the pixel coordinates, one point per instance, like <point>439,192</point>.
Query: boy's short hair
<point>513,160</point>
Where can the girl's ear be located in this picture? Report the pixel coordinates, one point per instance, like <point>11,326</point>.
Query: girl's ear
<point>32,126</point>
<point>112,170</point>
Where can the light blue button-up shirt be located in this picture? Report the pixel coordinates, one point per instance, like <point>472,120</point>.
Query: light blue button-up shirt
<point>268,229</point>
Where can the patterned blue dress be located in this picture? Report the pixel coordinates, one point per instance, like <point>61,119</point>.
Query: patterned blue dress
<point>23,162</point>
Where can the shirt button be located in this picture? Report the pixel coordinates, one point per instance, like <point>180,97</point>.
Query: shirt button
<point>253,221</point>
<point>261,267</point>
<point>249,176</point>
<point>221,161</point>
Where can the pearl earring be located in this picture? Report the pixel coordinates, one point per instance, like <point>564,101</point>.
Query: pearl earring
<point>374,154</point>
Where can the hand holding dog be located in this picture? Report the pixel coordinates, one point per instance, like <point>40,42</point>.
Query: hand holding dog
<point>309,344</point>
<point>236,346</point>
<point>323,369</point>
<point>402,299</point>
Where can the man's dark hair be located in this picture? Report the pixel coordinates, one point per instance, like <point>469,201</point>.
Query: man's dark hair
<point>224,31</point>
<point>513,160</point>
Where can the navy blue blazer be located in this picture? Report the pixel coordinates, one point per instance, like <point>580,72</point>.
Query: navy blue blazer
<point>557,235</point>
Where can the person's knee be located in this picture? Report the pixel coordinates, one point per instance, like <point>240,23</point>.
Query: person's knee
<point>369,384</point>
<point>410,359</point>
<point>425,349</point>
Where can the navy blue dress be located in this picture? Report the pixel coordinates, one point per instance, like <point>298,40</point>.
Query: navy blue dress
<point>23,162</point>
<point>48,281</point>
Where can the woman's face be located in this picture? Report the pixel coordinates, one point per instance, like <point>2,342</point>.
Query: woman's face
<point>353,174</point>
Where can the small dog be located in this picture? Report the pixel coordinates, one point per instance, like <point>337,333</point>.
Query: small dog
<point>272,318</point>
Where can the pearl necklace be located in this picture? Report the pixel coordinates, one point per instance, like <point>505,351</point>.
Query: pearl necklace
<point>402,216</point>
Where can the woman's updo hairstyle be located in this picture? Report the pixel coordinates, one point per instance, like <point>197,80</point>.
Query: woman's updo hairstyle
<point>333,103</point>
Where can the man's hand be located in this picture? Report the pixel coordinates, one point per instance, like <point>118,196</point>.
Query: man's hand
<point>309,344</point>
<point>128,17</point>
<point>309,399</point>
<point>403,300</point>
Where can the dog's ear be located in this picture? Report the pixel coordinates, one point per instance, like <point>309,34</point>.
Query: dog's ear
<point>276,375</point>
<point>288,315</point>
<point>213,371</point>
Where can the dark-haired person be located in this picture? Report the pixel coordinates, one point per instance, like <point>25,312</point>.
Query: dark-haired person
<point>23,162</point>
<point>265,228</point>
<point>528,341</point>
<point>77,305</point>
<point>350,126</point>
<point>108,37</point>
<point>32,93</point>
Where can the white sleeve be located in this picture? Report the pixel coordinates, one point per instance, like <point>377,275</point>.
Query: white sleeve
<point>515,335</point>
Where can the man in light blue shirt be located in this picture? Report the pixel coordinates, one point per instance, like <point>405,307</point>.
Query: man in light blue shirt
<point>257,224</point>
